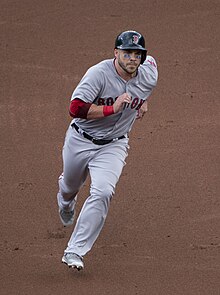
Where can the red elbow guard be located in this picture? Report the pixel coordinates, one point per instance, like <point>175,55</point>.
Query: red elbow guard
<point>79,108</point>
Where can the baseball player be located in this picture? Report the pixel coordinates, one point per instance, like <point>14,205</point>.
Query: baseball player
<point>109,98</point>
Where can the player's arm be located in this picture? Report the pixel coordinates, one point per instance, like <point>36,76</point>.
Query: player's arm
<point>152,72</point>
<point>81,109</point>
<point>143,109</point>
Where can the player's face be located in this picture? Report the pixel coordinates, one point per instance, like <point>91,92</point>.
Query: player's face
<point>129,60</point>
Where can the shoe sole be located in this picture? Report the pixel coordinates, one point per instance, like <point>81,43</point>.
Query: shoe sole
<point>66,225</point>
<point>73,266</point>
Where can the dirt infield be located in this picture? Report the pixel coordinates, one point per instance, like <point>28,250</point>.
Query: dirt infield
<point>162,234</point>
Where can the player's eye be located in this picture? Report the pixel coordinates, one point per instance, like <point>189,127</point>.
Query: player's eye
<point>128,55</point>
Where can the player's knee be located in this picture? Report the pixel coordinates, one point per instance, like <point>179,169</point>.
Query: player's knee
<point>101,198</point>
<point>103,192</point>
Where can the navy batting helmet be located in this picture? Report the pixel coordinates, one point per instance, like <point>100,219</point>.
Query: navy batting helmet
<point>131,40</point>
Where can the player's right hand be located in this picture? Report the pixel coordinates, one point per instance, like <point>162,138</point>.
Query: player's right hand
<point>121,101</point>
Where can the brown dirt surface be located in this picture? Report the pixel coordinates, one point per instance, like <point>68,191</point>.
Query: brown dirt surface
<point>162,234</point>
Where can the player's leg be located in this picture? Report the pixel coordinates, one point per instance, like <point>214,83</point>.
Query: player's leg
<point>75,169</point>
<point>105,169</point>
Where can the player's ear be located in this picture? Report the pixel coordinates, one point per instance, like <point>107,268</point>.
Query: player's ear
<point>116,52</point>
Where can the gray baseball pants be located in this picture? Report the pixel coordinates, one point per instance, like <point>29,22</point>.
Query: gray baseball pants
<point>104,163</point>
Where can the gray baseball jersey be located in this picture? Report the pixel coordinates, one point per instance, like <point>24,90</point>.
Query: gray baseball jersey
<point>102,85</point>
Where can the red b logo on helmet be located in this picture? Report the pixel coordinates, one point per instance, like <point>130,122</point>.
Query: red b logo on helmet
<point>135,39</point>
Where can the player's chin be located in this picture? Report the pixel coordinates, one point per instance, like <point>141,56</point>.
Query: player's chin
<point>131,69</point>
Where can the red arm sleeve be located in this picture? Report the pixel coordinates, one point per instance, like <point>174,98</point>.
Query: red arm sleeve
<point>79,108</point>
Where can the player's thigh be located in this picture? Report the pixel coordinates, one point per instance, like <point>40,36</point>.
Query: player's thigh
<point>106,167</point>
<point>75,159</point>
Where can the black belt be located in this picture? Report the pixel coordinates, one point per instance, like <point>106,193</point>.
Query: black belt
<point>94,140</point>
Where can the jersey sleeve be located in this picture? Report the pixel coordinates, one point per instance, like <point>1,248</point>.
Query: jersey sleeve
<point>151,70</point>
<point>90,85</point>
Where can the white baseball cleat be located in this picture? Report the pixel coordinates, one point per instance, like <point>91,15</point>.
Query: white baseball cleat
<point>73,260</point>
<point>66,217</point>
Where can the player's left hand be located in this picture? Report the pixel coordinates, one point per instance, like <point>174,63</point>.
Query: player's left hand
<point>143,109</point>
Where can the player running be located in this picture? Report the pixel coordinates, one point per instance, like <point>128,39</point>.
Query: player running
<point>104,106</point>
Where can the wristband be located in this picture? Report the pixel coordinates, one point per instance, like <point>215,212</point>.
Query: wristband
<point>108,110</point>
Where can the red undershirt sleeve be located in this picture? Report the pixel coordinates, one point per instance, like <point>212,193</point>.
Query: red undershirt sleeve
<point>79,108</point>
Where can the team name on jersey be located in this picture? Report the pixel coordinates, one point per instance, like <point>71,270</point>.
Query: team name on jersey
<point>136,102</point>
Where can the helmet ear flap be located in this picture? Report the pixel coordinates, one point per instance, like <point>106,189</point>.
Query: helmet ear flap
<point>143,56</point>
